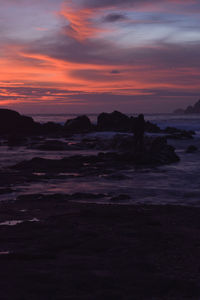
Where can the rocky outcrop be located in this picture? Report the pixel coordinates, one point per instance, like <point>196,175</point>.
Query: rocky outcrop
<point>156,152</point>
<point>151,127</point>
<point>78,125</point>
<point>178,134</point>
<point>195,109</point>
<point>115,121</point>
<point>12,122</point>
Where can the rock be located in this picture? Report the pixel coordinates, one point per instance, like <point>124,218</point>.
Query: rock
<point>12,122</point>
<point>120,197</point>
<point>79,124</point>
<point>53,145</point>
<point>16,140</point>
<point>122,142</point>
<point>52,127</point>
<point>115,121</point>
<point>151,127</point>
<point>179,134</point>
<point>6,191</point>
<point>191,149</point>
<point>195,109</point>
<point>82,196</point>
<point>156,152</point>
<point>42,197</point>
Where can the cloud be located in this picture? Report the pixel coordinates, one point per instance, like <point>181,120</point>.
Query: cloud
<point>115,17</point>
<point>80,25</point>
<point>90,62</point>
<point>115,72</point>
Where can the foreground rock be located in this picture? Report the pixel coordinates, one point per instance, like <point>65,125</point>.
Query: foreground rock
<point>82,251</point>
<point>157,152</point>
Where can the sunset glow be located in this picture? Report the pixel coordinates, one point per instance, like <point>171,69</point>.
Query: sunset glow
<point>91,55</point>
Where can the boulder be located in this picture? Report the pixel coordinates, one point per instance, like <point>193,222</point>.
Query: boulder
<point>191,149</point>
<point>151,127</point>
<point>53,145</point>
<point>115,121</point>
<point>79,124</point>
<point>162,153</point>
<point>12,122</point>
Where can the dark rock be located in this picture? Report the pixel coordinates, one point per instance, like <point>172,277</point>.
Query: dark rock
<point>52,127</point>
<point>120,197</point>
<point>161,153</point>
<point>79,124</point>
<point>42,197</point>
<point>6,191</point>
<point>191,149</point>
<point>156,152</point>
<point>59,197</point>
<point>53,145</point>
<point>15,140</point>
<point>12,122</point>
<point>178,134</point>
<point>115,121</point>
<point>151,127</point>
<point>81,196</point>
<point>195,109</point>
<point>122,142</point>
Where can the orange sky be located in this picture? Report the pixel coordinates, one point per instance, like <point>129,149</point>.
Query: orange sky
<point>81,53</point>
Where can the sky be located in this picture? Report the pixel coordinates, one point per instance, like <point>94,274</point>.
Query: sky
<point>85,56</point>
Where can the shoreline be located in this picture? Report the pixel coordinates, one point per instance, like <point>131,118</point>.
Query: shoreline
<point>92,251</point>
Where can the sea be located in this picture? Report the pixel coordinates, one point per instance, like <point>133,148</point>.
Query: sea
<point>177,183</point>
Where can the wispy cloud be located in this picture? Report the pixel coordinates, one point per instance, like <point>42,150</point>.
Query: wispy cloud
<point>99,53</point>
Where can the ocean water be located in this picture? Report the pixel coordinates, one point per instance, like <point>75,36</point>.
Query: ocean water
<point>177,183</point>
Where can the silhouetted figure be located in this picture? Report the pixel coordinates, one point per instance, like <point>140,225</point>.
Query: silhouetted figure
<point>138,130</point>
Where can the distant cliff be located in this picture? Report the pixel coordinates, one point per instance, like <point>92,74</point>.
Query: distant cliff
<point>195,109</point>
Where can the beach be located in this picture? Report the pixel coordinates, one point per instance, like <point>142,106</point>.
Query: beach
<point>69,250</point>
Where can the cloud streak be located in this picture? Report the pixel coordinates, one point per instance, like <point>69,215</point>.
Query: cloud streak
<point>109,51</point>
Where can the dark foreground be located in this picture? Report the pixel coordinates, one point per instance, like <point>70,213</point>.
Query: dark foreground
<point>89,251</point>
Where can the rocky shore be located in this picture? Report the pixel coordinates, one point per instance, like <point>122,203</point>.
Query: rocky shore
<point>60,249</point>
<point>58,246</point>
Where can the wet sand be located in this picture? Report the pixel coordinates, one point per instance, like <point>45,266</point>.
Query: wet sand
<point>90,251</point>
